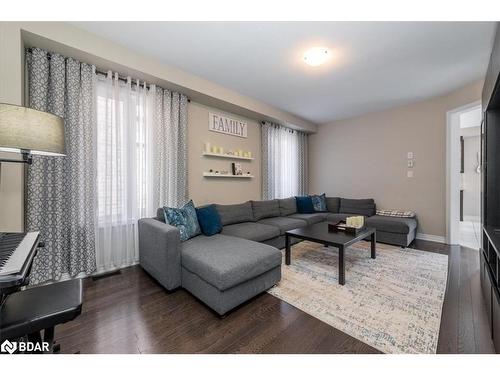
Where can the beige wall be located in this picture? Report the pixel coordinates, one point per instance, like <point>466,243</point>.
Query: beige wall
<point>221,190</point>
<point>11,91</point>
<point>366,156</point>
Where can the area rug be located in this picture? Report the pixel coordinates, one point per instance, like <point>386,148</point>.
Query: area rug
<point>392,303</point>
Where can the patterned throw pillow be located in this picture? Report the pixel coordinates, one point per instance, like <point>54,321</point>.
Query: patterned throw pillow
<point>184,219</point>
<point>396,213</point>
<point>319,202</point>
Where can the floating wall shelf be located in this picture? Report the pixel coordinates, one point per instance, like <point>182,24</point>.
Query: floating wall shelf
<point>226,156</point>
<point>209,174</point>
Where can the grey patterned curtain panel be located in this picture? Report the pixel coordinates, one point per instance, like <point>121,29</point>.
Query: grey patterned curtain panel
<point>284,162</point>
<point>61,194</point>
<point>169,149</point>
<point>303,162</point>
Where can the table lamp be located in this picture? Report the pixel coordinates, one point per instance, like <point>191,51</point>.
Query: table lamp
<point>28,131</point>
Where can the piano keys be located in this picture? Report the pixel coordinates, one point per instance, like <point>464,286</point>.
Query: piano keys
<point>17,251</point>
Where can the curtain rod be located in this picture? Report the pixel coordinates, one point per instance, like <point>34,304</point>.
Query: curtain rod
<point>283,126</point>
<point>125,79</point>
<point>120,78</point>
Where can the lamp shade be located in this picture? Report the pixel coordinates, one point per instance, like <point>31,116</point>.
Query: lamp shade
<point>28,129</point>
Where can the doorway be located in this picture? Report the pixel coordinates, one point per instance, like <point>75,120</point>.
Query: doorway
<point>464,176</point>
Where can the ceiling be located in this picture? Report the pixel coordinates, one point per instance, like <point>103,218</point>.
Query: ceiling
<point>374,65</point>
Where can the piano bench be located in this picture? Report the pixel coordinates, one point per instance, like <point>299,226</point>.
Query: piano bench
<point>28,312</point>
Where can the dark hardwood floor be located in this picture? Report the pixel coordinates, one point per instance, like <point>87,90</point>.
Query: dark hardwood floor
<point>131,313</point>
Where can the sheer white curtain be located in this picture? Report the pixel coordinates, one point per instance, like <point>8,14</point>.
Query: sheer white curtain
<point>284,161</point>
<point>124,168</point>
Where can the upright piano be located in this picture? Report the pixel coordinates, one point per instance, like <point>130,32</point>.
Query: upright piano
<point>26,314</point>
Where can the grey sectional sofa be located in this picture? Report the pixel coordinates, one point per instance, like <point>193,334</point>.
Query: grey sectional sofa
<point>244,260</point>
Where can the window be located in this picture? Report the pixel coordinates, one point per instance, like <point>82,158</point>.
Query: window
<point>122,151</point>
<point>284,162</point>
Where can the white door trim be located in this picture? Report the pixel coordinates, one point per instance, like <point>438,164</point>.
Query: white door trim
<point>453,171</point>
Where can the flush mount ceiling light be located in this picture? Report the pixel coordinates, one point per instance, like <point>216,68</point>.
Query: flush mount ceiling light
<point>316,56</point>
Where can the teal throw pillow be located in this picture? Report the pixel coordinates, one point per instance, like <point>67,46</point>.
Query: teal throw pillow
<point>184,219</point>
<point>305,205</point>
<point>209,220</point>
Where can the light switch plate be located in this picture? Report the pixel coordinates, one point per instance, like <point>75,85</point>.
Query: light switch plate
<point>409,174</point>
<point>410,155</point>
<point>410,164</point>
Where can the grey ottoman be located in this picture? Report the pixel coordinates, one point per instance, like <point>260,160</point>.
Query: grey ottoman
<point>225,271</point>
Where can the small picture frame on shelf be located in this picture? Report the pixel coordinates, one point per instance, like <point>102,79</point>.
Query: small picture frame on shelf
<point>237,170</point>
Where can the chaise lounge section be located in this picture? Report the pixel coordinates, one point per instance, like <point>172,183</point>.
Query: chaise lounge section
<point>225,271</point>
<point>244,260</point>
<point>222,270</point>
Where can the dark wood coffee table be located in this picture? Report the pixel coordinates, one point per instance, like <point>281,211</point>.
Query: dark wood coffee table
<point>319,233</point>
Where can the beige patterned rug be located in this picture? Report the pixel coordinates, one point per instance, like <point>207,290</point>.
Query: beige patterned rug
<point>392,303</point>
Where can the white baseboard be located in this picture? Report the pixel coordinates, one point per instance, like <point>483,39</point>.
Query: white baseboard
<point>431,237</point>
<point>102,271</point>
<point>83,275</point>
